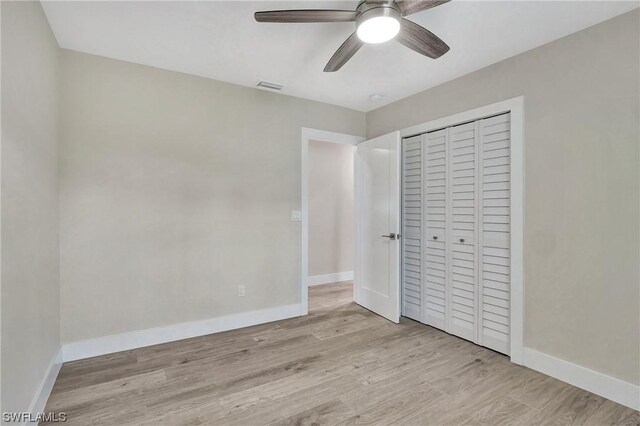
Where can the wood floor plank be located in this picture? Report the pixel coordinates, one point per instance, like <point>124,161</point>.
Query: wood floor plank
<point>464,405</point>
<point>395,409</point>
<point>539,391</point>
<point>96,364</point>
<point>371,395</point>
<point>611,413</point>
<point>86,395</point>
<point>341,364</point>
<point>329,413</point>
<point>271,409</point>
<point>471,372</point>
<point>505,411</point>
<point>571,407</point>
<point>408,357</point>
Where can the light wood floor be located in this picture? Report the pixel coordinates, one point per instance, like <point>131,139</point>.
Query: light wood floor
<point>339,365</point>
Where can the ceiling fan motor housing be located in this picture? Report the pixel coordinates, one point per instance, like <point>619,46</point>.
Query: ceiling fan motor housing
<point>367,10</point>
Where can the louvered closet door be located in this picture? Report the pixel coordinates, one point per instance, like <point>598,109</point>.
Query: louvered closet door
<point>435,220</point>
<point>462,191</point>
<point>412,227</point>
<point>457,230</point>
<point>494,211</point>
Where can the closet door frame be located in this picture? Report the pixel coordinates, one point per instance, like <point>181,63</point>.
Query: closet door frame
<point>515,106</point>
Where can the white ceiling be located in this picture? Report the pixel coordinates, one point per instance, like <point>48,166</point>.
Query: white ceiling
<point>221,40</point>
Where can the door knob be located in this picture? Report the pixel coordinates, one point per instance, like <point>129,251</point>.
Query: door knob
<point>392,236</point>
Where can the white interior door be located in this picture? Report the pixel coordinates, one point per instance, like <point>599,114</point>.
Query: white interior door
<point>376,283</point>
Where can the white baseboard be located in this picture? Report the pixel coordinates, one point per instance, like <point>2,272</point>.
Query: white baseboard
<point>608,387</point>
<point>154,336</point>
<point>40,398</point>
<point>330,278</point>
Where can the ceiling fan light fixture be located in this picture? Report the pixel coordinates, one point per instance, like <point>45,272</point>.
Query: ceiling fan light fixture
<point>378,30</point>
<point>378,24</point>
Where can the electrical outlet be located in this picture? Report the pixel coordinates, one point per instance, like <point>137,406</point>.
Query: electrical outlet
<point>296,215</point>
<point>241,291</point>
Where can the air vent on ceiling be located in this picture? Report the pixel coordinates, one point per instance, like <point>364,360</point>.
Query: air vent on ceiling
<point>270,86</point>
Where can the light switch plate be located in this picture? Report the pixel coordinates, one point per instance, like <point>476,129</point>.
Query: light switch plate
<point>296,216</point>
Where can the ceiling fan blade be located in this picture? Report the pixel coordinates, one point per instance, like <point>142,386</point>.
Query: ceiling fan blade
<point>421,40</point>
<point>344,53</point>
<point>407,7</point>
<point>309,15</point>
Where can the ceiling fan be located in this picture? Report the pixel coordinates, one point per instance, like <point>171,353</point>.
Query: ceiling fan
<point>377,21</point>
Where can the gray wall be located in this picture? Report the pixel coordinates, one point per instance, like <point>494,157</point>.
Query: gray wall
<point>29,261</point>
<point>581,186</point>
<point>174,190</point>
<point>331,211</point>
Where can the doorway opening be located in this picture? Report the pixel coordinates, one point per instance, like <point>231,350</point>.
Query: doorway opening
<point>331,224</point>
<point>328,219</point>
